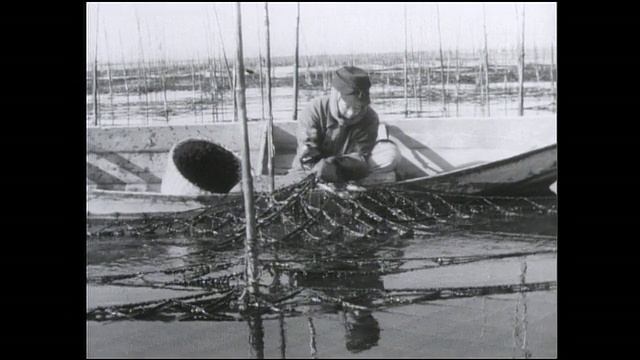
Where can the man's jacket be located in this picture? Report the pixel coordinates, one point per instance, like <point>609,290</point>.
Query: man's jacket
<point>319,130</point>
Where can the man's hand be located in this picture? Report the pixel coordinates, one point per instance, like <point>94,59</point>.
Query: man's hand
<point>309,157</point>
<point>326,169</point>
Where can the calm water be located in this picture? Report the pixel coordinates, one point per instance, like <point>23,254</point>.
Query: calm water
<point>495,325</point>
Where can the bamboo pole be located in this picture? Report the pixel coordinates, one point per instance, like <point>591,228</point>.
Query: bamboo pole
<point>124,70</point>
<point>535,62</point>
<point>506,90</point>
<point>420,83</point>
<point>164,81</point>
<point>507,60</point>
<point>106,45</point>
<point>260,66</point>
<point>406,99</point>
<point>486,62</point>
<point>224,53</point>
<point>296,65</point>
<point>152,69</point>
<point>553,89</point>
<point>476,69</point>
<point>210,63</point>
<point>428,73</point>
<point>193,87</point>
<point>200,81</point>
<point>144,69</point>
<point>444,91</point>
<point>457,77</point>
<point>251,250</point>
<point>95,74</point>
<point>413,75</point>
<point>214,88</point>
<point>521,66</point>
<point>222,102</point>
<point>448,66</point>
<point>270,146</point>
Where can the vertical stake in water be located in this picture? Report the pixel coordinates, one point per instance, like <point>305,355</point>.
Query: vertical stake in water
<point>143,66</point>
<point>270,146</point>
<point>260,67</point>
<point>296,65</point>
<point>444,92</point>
<point>164,83</point>
<point>486,62</point>
<point>124,71</point>
<point>521,66</point>
<point>406,98</point>
<point>106,46</point>
<point>95,74</point>
<point>457,69</point>
<point>251,252</point>
<point>506,61</point>
<point>193,87</point>
<point>553,90</point>
<point>224,54</point>
<point>419,82</point>
<point>214,87</point>
<point>414,78</point>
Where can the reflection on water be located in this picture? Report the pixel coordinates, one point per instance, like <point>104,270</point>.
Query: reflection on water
<point>312,340</point>
<point>256,336</point>
<point>362,331</point>
<point>520,326</point>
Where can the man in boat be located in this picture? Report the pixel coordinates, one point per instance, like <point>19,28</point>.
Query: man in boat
<point>338,134</point>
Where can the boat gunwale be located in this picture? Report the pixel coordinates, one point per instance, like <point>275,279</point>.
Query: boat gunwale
<point>474,168</point>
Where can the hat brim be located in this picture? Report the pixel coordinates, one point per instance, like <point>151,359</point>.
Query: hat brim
<point>354,99</point>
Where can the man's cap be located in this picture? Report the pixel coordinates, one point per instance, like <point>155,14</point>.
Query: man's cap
<point>353,84</point>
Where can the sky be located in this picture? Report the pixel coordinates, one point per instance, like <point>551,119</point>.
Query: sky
<point>180,31</point>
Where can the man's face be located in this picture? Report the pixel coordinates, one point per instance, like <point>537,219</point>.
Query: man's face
<point>349,111</point>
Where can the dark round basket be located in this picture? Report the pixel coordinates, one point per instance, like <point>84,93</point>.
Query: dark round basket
<point>200,167</point>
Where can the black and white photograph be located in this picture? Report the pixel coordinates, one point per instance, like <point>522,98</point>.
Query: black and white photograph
<point>321,180</point>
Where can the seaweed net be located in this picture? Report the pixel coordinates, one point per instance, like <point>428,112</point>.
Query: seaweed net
<point>321,249</point>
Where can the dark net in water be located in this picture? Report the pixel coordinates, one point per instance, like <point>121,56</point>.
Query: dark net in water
<point>321,249</point>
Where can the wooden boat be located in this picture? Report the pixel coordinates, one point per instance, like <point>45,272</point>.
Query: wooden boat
<point>492,156</point>
<point>531,173</point>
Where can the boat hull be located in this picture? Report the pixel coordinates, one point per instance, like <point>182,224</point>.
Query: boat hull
<point>488,156</point>
<point>531,173</point>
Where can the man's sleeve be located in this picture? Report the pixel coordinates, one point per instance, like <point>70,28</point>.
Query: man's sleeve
<point>308,132</point>
<point>309,127</point>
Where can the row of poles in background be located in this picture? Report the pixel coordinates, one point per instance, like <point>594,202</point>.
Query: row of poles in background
<point>482,78</point>
<point>213,69</point>
<point>484,68</point>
